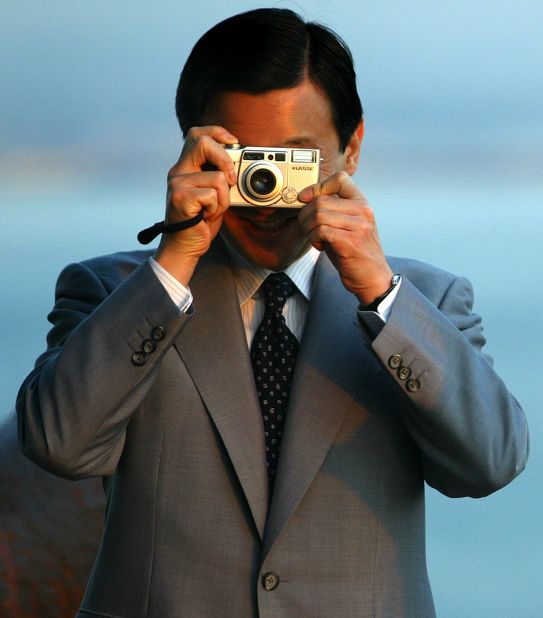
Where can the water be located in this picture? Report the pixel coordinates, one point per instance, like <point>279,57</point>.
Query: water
<point>484,555</point>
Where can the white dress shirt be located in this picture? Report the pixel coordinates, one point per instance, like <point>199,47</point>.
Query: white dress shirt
<point>249,277</point>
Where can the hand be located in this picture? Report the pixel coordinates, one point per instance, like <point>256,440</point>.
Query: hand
<point>338,220</point>
<point>190,190</point>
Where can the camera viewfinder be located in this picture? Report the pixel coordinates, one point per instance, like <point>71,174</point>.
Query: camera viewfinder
<point>253,156</point>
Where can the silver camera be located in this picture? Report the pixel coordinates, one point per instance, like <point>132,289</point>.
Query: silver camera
<point>272,176</point>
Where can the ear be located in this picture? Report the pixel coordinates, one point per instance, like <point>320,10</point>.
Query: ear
<point>352,150</point>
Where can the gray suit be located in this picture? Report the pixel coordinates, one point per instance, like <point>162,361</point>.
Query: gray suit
<point>179,441</point>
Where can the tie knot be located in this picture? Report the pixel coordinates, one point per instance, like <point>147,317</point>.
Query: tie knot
<point>276,288</point>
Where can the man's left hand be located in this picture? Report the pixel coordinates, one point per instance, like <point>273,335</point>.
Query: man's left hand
<point>338,220</point>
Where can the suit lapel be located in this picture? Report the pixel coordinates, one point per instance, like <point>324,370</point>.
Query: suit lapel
<point>213,347</point>
<point>321,393</point>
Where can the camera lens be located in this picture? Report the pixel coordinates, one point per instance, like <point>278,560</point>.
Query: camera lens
<point>262,181</point>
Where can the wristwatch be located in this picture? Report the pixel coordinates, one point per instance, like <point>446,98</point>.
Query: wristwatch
<point>373,305</point>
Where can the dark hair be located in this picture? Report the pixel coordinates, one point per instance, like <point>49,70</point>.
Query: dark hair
<point>263,50</point>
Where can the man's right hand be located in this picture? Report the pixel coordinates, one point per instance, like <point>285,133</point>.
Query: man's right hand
<point>191,190</point>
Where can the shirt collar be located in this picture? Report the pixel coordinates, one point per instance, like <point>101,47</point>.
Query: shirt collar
<point>249,276</point>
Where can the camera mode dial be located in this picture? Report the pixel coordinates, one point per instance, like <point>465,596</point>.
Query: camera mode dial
<point>289,195</point>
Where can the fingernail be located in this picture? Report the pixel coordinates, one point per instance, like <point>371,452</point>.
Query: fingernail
<point>232,178</point>
<point>306,195</point>
<point>230,137</point>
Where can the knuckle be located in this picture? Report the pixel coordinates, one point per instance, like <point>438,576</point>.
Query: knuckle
<point>216,129</point>
<point>366,233</point>
<point>177,198</point>
<point>320,203</point>
<point>320,216</point>
<point>218,179</point>
<point>176,178</point>
<point>194,132</point>
<point>368,212</point>
<point>323,231</point>
<point>197,138</point>
<point>172,173</point>
<point>205,140</point>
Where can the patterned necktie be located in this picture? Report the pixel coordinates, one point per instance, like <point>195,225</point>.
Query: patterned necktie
<point>273,354</point>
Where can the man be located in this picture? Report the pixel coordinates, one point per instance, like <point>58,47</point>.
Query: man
<point>216,506</point>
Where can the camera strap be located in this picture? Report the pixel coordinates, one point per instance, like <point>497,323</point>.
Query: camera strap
<point>149,234</point>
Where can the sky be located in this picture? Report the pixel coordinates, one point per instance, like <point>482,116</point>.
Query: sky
<point>451,163</point>
<point>87,84</point>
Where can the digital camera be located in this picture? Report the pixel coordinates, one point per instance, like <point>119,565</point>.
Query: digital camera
<point>272,176</point>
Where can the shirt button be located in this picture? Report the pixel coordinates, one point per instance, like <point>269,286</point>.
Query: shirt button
<point>270,581</point>
<point>412,385</point>
<point>148,346</point>
<point>404,372</point>
<point>138,358</point>
<point>158,333</point>
<point>395,361</point>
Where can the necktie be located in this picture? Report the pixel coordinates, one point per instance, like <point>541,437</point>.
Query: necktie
<point>273,354</point>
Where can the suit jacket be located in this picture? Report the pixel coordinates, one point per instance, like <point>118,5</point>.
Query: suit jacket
<point>176,432</point>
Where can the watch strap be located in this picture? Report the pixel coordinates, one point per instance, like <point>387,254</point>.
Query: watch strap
<point>373,306</point>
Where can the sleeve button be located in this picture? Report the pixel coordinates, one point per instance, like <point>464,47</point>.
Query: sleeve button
<point>158,333</point>
<point>138,358</point>
<point>148,346</point>
<point>395,361</point>
<point>412,385</point>
<point>404,372</point>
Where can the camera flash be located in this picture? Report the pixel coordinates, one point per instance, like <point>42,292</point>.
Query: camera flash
<point>303,156</point>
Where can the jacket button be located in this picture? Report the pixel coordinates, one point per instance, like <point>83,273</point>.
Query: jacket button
<point>138,358</point>
<point>404,372</point>
<point>395,361</point>
<point>158,333</point>
<point>148,346</point>
<point>270,581</point>
<point>412,385</point>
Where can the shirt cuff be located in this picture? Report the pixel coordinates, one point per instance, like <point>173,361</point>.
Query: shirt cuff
<point>373,321</point>
<point>180,294</point>
<point>385,306</point>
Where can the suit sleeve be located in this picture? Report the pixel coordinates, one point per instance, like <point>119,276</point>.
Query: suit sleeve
<point>471,431</point>
<point>103,349</point>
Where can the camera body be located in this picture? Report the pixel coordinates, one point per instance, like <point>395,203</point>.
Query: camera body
<point>272,176</point>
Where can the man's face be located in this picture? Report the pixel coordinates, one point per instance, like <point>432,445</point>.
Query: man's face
<point>295,117</point>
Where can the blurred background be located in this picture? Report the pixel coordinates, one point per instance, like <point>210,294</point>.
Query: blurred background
<point>452,165</point>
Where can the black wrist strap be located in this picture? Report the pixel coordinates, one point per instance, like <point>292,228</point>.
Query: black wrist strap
<point>149,234</point>
<point>375,304</point>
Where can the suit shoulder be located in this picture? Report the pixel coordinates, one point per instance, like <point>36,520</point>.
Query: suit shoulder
<point>127,260</point>
<point>113,268</point>
<point>427,278</point>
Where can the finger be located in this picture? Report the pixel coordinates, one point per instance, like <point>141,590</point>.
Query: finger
<point>189,202</point>
<point>323,236</point>
<point>215,180</point>
<point>205,146</point>
<point>332,218</point>
<point>338,212</point>
<point>205,151</point>
<point>216,132</point>
<point>340,184</point>
<point>344,243</point>
<point>340,232</point>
